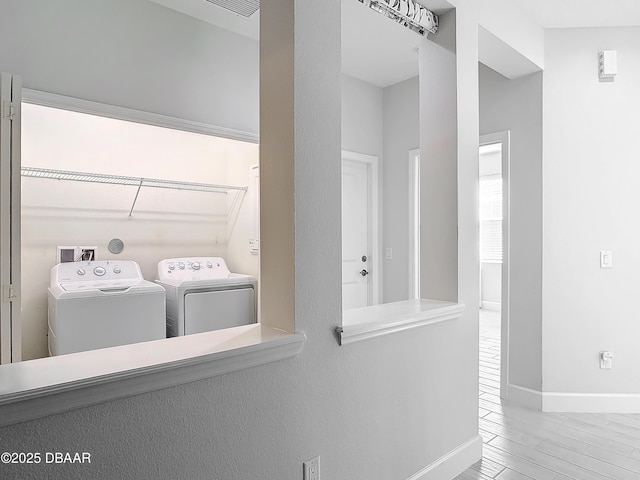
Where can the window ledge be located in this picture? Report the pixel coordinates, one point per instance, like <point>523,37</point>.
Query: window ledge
<point>370,322</point>
<point>38,388</point>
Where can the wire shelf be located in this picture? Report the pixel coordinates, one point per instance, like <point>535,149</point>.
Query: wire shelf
<point>122,180</point>
<point>138,182</point>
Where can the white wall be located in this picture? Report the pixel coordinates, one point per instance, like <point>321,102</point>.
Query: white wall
<point>401,134</point>
<point>591,197</point>
<point>381,410</point>
<point>516,105</point>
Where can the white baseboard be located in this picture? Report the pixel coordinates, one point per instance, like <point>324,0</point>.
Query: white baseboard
<point>573,402</point>
<point>494,306</point>
<point>453,463</point>
<point>591,402</point>
<point>524,397</point>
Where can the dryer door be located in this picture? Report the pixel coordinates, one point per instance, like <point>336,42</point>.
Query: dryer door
<point>206,311</point>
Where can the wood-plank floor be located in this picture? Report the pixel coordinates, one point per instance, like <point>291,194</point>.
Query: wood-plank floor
<point>521,444</point>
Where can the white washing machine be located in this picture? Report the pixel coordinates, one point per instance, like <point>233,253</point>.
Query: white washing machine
<point>102,304</point>
<point>203,295</point>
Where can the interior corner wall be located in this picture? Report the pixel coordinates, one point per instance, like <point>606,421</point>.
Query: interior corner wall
<point>401,134</point>
<point>516,105</point>
<point>591,200</point>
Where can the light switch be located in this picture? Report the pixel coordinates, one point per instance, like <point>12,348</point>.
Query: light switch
<point>388,253</point>
<point>606,259</point>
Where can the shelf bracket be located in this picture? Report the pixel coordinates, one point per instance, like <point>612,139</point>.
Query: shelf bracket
<point>136,198</point>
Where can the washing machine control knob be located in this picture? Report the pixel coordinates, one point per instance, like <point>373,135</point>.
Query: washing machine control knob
<point>81,271</point>
<point>195,265</point>
<point>116,270</point>
<point>99,271</point>
<point>172,266</point>
<point>181,266</point>
<point>209,265</point>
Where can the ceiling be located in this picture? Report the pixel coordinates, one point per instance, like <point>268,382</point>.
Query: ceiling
<point>581,13</point>
<point>383,53</point>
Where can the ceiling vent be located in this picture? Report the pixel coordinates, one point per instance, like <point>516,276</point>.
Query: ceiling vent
<point>406,12</point>
<point>246,8</point>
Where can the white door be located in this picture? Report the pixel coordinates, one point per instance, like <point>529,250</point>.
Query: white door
<point>10,330</point>
<point>358,233</point>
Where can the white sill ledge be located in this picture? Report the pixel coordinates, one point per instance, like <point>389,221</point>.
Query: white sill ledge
<point>370,322</point>
<point>38,388</point>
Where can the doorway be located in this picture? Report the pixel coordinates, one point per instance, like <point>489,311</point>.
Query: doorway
<point>493,188</point>
<point>360,231</point>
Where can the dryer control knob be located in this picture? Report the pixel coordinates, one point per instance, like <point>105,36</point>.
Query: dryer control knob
<point>181,266</point>
<point>195,265</point>
<point>99,271</point>
<point>81,271</point>
<point>209,265</point>
<point>116,270</point>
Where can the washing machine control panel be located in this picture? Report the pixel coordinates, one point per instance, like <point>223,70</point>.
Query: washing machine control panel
<point>192,268</point>
<point>96,274</point>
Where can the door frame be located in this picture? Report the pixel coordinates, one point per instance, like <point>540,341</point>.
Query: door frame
<point>504,138</point>
<point>374,221</point>
<point>10,219</point>
<point>414,223</point>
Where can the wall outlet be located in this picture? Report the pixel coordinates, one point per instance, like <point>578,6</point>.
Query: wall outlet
<point>606,259</point>
<point>605,360</point>
<point>311,469</point>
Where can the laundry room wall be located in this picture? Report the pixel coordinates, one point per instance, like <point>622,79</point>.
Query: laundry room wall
<point>127,54</point>
<point>164,223</point>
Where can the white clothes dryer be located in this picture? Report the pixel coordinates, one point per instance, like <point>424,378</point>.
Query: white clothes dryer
<point>203,295</point>
<point>101,304</point>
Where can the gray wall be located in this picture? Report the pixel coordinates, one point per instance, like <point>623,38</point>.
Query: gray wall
<point>516,105</point>
<point>439,164</point>
<point>380,410</point>
<point>386,123</point>
<point>362,117</point>
<point>131,54</point>
<point>591,200</point>
<point>401,134</point>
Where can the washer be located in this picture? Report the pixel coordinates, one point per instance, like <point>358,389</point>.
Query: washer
<point>102,304</point>
<point>203,295</point>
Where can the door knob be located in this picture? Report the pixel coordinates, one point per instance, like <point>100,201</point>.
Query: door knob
<point>364,273</point>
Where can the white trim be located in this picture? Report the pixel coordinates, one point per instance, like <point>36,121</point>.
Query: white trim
<point>574,402</point>
<point>371,322</point>
<point>504,137</point>
<point>591,402</point>
<point>38,388</point>
<point>54,100</point>
<point>414,223</point>
<point>523,397</point>
<point>453,463</point>
<point>375,223</point>
<point>493,306</point>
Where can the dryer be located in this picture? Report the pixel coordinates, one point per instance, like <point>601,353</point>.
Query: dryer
<point>102,304</point>
<point>203,295</point>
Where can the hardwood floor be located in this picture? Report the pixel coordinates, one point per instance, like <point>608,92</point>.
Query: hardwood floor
<point>521,444</point>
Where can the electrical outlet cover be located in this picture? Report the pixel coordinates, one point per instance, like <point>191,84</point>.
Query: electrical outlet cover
<point>312,469</point>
